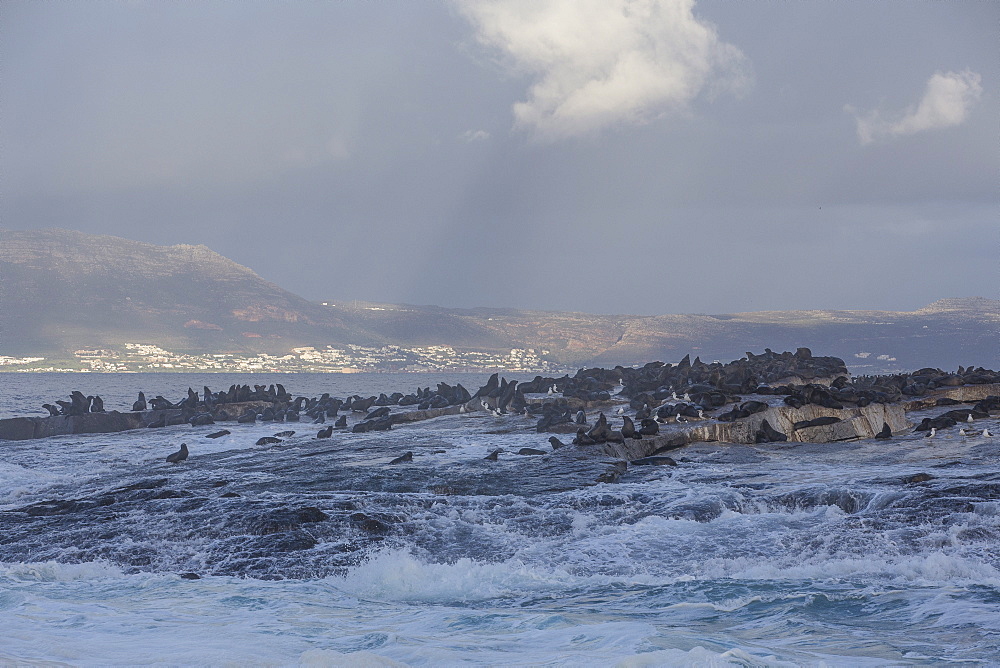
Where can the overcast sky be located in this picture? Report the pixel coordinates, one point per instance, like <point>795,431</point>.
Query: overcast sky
<point>615,156</point>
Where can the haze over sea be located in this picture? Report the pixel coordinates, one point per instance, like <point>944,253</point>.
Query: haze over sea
<point>776,554</point>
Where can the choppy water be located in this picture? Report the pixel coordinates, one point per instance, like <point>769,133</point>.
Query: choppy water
<point>769,555</point>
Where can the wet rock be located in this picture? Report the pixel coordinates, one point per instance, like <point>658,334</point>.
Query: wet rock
<point>369,524</point>
<point>654,461</point>
<point>286,520</point>
<point>613,473</point>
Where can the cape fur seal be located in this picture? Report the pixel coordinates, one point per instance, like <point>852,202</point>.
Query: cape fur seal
<point>178,456</point>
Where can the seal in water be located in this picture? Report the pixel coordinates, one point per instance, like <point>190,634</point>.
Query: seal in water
<point>886,432</point>
<point>326,432</point>
<point>180,455</point>
<point>493,456</point>
<point>268,440</point>
<point>140,405</point>
<point>219,434</point>
<point>402,459</point>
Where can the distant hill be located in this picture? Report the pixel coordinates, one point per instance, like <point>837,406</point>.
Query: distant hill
<point>62,290</point>
<point>947,333</point>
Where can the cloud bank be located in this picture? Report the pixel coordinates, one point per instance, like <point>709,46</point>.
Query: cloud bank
<point>946,102</point>
<point>603,63</point>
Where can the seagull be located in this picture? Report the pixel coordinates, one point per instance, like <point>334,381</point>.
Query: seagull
<point>701,414</point>
<point>986,433</point>
<point>621,411</point>
<point>673,395</point>
<point>969,419</point>
<point>680,418</point>
<point>687,397</point>
<point>552,390</point>
<point>931,433</point>
<point>962,432</point>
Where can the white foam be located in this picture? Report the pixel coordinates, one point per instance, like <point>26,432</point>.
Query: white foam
<point>323,658</point>
<point>51,571</point>
<point>399,576</point>
<point>933,569</point>
<point>700,657</point>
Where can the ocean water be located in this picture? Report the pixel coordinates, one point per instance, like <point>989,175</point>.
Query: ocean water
<point>318,552</point>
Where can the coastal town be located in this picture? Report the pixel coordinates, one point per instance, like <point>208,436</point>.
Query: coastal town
<point>145,357</point>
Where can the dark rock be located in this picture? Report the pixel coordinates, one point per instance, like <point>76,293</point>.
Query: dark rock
<point>653,461</point>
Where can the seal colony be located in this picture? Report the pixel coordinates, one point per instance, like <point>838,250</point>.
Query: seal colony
<point>764,398</point>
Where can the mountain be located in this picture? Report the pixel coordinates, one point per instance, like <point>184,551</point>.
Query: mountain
<point>62,290</point>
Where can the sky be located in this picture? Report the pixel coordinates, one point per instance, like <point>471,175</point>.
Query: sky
<point>607,156</point>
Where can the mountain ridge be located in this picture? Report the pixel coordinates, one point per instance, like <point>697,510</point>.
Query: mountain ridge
<point>61,290</point>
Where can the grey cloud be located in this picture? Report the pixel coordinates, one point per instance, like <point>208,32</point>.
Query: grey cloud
<point>340,150</point>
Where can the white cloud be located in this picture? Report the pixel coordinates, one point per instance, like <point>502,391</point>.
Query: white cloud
<point>946,102</point>
<point>602,63</point>
<point>475,135</point>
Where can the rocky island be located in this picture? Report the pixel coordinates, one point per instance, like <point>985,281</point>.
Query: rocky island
<point>761,398</point>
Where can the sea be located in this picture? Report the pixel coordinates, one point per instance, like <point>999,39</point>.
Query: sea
<point>318,552</point>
